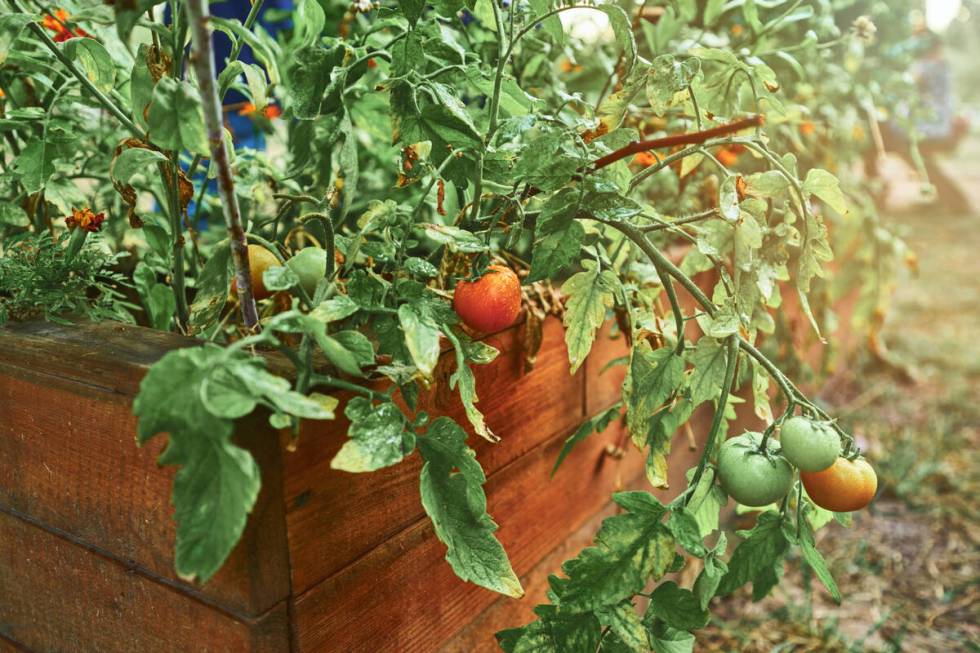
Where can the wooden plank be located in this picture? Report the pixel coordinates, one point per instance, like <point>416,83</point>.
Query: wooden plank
<point>403,596</point>
<point>603,379</point>
<point>536,515</point>
<point>478,635</point>
<point>70,461</point>
<point>60,597</point>
<point>335,517</point>
<point>109,355</point>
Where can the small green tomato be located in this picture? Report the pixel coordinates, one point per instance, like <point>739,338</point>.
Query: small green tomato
<point>751,477</point>
<point>811,446</point>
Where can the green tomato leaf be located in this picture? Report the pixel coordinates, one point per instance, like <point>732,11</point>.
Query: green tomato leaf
<point>280,277</point>
<point>336,308</point>
<point>757,559</point>
<point>93,60</point>
<point>825,186</point>
<point>421,338</point>
<point>176,119</point>
<point>597,424</point>
<point>551,26</point>
<point>590,293</point>
<point>667,78</point>
<point>686,531</point>
<point>623,30</point>
<point>677,607</point>
<point>135,161</point>
<point>712,10</point>
<point>625,623</point>
<point>452,494</point>
<point>706,502</point>
<point>218,482</point>
<point>708,362</point>
<point>13,215</point>
<point>556,251</point>
<point>11,25</point>
<point>652,378</point>
<point>728,199</point>
<point>213,285</point>
<point>817,563</point>
<point>378,437</point>
<point>462,379</point>
<point>630,549</point>
<point>553,632</point>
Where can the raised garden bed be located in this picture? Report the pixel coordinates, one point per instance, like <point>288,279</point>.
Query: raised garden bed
<point>87,533</point>
<point>87,536</point>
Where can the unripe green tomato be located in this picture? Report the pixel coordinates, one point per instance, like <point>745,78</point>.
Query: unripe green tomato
<point>811,446</point>
<point>751,477</point>
<point>310,265</point>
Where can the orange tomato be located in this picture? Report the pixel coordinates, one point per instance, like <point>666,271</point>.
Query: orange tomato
<point>727,157</point>
<point>845,486</point>
<point>259,260</point>
<point>645,159</point>
<point>490,303</point>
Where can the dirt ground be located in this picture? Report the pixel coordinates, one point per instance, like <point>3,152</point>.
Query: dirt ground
<point>909,567</point>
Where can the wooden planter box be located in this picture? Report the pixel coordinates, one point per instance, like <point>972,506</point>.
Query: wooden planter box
<point>329,561</point>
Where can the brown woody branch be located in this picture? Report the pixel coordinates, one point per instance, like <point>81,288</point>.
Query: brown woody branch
<point>691,138</point>
<point>203,60</point>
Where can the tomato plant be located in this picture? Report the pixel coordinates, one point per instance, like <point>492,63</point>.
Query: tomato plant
<point>396,155</point>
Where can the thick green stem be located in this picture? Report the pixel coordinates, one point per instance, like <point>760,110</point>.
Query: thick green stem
<point>499,74</point>
<point>731,353</point>
<point>675,305</point>
<point>177,244</point>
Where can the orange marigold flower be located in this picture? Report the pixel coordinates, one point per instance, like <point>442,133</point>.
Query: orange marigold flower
<point>807,128</point>
<point>58,23</point>
<point>270,111</point>
<point>55,23</point>
<point>85,219</point>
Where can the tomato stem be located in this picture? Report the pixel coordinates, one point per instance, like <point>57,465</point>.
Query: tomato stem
<point>731,354</point>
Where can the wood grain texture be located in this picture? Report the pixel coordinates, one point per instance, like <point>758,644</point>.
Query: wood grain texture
<point>56,596</point>
<point>69,460</point>
<point>432,603</point>
<point>478,635</point>
<point>347,514</point>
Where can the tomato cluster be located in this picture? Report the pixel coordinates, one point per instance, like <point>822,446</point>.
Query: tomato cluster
<point>757,475</point>
<point>309,264</point>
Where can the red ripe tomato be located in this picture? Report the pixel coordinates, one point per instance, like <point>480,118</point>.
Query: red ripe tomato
<point>490,303</point>
<point>845,486</point>
<point>259,260</point>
